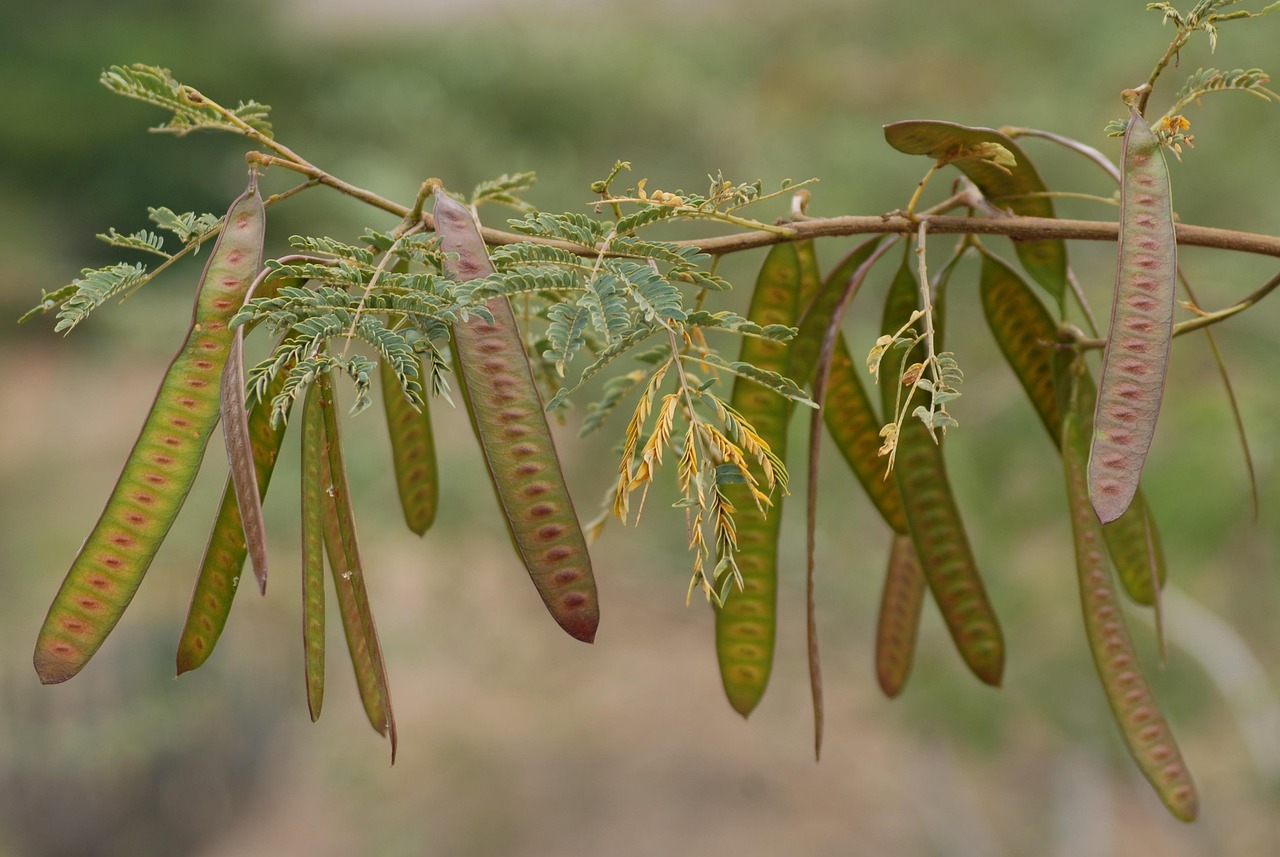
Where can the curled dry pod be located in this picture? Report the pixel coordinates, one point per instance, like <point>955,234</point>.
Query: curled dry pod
<point>314,502</point>
<point>343,551</point>
<point>850,417</point>
<point>508,419</point>
<point>899,619</point>
<point>164,461</point>
<point>1143,727</point>
<point>1017,188</point>
<point>224,556</point>
<point>932,516</point>
<point>1026,334</point>
<point>1137,354</point>
<point>413,451</point>
<point>746,626</point>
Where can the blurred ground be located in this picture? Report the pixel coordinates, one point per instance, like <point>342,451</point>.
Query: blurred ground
<point>515,740</point>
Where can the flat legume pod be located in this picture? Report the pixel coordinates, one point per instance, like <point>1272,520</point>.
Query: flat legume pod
<point>343,550</point>
<point>1137,354</point>
<point>932,517</point>
<point>413,451</point>
<point>1026,334</point>
<point>898,622</point>
<point>1145,731</point>
<point>315,486</point>
<point>164,461</point>
<point>746,626</point>
<point>507,415</point>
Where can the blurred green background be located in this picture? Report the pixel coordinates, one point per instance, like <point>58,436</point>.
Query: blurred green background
<point>515,740</point>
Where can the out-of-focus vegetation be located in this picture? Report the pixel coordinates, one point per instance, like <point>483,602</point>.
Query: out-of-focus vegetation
<point>515,740</point>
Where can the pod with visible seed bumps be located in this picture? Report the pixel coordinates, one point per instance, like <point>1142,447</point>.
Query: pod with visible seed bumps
<point>507,416</point>
<point>1026,334</point>
<point>746,625</point>
<point>899,620</point>
<point>1137,354</point>
<point>1144,729</point>
<point>224,556</point>
<point>164,461</point>
<point>932,516</point>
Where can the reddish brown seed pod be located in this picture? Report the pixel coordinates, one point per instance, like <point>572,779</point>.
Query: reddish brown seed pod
<point>898,622</point>
<point>508,419</point>
<point>1137,353</point>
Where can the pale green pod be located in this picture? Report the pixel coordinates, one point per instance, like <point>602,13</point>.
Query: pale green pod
<point>224,555</point>
<point>164,461</point>
<point>507,415</point>
<point>746,625</point>
<point>343,550</point>
<point>413,452</point>
<point>898,623</point>
<point>1137,354</point>
<point>1145,731</point>
<point>315,455</point>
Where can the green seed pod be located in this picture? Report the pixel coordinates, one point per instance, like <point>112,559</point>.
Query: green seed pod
<point>932,517</point>
<point>1137,355</point>
<point>343,551</point>
<point>414,452</point>
<point>1017,187</point>
<point>899,620</point>
<point>1144,729</point>
<point>746,626</point>
<point>314,502</point>
<point>1026,334</point>
<point>850,417</point>
<point>508,419</point>
<point>164,461</point>
<point>224,556</point>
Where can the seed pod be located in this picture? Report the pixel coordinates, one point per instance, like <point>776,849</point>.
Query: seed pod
<point>414,452</point>
<point>1017,188</point>
<point>164,461</point>
<point>1137,353</point>
<point>850,417</point>
<point>314,502</point>
<point>1026,333</point>
<point>219,577</point>
<point>508,419</point>
<point>899,620</point>
<point>413,448</point>
<point>343,551</point>
<point>1143,727</point>
<point>746,625</point>
<point>932,517</point>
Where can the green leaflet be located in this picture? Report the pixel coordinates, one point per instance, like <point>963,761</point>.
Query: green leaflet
<point>1145,731</point>
<point>343,551</point>
<point>1137,356</point>
<point>1005,186</point>
<point>164,460</point>
<point>932,516</point>
<point>509,422</point>
<point>746,625</point>
<point>1026,333</point>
